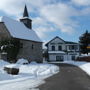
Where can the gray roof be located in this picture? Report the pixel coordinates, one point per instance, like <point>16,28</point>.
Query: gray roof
<point>69,42</point>
<point>66,42</point>
<point>18,30</point>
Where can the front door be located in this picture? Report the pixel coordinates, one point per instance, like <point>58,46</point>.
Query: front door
<point>59,58</point>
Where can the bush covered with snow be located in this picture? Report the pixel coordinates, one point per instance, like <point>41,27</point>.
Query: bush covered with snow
<point>22,61</point>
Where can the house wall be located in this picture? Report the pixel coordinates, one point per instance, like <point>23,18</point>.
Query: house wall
<point>56,42</point>
<point>76,45</point>
<point>32,51</point>
<point>65,47</point>
<point>4,34</point>
<point>52,57</point>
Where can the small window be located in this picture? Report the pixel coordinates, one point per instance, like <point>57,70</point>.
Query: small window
<point>73,57</point>
<point>53,48</point>
<point>59,58</point>
<point>59,47</point>
<point>21,45</point>
<point>32,46</point>
<point>69,47</point>
<point>76,47</point>
<point>73,47</point>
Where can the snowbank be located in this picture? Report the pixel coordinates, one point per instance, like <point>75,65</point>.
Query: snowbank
<point>30,75</point>
<point>39,69</point>
<point>85,55</point>
<point>35,69</point>
<point>3,63</point>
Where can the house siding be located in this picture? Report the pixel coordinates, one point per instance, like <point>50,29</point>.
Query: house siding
<point>56,42</point>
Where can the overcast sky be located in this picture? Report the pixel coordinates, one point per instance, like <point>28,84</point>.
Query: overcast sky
<point>67,19</point>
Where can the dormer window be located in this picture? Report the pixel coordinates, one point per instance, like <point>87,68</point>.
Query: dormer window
<point>53,48</point>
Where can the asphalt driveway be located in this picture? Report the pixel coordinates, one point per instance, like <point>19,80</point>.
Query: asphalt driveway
<point>70,77</point>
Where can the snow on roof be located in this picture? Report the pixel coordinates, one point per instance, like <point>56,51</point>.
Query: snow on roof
<point>19,30</point>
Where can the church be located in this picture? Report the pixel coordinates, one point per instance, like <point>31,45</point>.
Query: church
<point>22,30</point>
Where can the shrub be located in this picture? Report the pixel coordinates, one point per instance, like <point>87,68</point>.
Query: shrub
<point>11,47</point>
<point>85,58</point>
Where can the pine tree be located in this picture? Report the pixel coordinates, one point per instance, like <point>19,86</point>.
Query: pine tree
<point>11,47</point>
<point>85,42</point>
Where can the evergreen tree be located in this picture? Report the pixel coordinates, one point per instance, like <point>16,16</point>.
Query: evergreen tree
<point>11,47</point>
<point>85,42</point>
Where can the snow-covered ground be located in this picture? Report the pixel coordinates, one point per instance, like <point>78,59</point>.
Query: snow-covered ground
<point>29,77</point>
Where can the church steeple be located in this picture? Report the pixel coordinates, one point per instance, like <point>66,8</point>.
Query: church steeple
<point>25,14</point>
<point>26,20</point>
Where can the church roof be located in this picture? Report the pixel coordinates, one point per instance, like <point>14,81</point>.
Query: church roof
<point>18,30</point>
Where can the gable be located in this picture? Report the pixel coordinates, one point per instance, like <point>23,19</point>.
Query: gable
<point>4,34</point>
<point>18,30</point>
<point>56,40</point>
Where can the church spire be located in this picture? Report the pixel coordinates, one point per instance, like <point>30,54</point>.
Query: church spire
<point>26,20</point>
<point>25,14</point>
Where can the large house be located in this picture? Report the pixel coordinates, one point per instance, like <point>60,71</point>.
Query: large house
<point>60,50</point>
<point>22,30</point>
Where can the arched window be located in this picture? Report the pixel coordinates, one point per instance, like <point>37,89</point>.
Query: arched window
<point>59,47</point>
<point>53,48</point>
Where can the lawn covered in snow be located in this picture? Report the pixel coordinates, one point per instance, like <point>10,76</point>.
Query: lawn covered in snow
<point>30,75</point>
